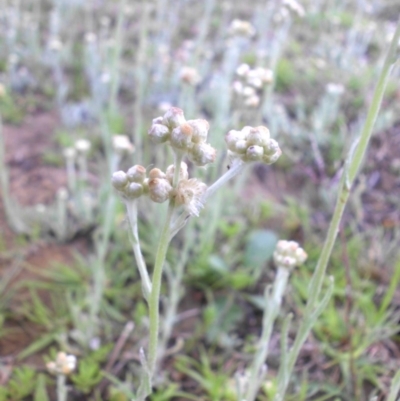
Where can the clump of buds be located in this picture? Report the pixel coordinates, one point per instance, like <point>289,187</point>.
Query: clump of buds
<point>189,76</point>
<point>132,184</point>
<point>252,144</point>
<point>241,28</point>
<point>289,254</point>
<point>186,136</point>
<point>250,83</point>
<point>294,7</point>
<point>63,365</point>
<point>122,145</point>
<point>159,186</point>
<point>82,146</point>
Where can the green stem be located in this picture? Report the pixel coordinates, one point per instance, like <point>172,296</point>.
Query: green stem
<point>395,387</point>
<point>271,311</point>
<point>155,291</point>
<point>154,312</point>
<point>117,57</point>
<point>12,214</point>
<point>131,207</point>
<point>61,388</point>
<point>352,167</point>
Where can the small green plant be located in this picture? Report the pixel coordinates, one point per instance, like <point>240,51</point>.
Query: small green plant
<point>88,375</point>
<point>186,197</point>
<point>216,382</point>
<point>22,383</point>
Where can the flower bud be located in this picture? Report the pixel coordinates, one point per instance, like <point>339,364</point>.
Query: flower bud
<point>265,75</point>
<point>254,153</point>
<point>156,173</point>
<point>252,101</point>
<point>241,28</point>
<point>190,76</point>
<point>270,159</point>
<point>136,173</point>
<point>271,147</point>
<point>289,254</point>
<point>183,172</point>
<point>200,130</point>
<point>69,153</point>
<point>63,365</point>
<point>242,70</point>
<point>122,144</point>
<point>181,136</point>
<point>133,190</point>
<point>82,146</point>
<point>174,118</point>
<point>246,131</point>
<point>248,91</point>
<point>202,154</point>
<point>158,120</point>
<point>159,133</point>
<point>241,146</point>
<point>231,139</point>
<point>159,189</point>
<point>258,136</point>
<point>237,87</point>
<point>119,180</point>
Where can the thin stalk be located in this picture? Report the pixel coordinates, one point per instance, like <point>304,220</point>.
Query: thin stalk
<point>395,387</point>
<point>353,165</point>
<point>350,172</point>
<point>154,299</point>
<point>140,79</point>
<point>154,312</point>
<point>131,207</point>
<point>272,306</point>
<point>117,56</point>
<point>175,290</point>
<point>61,388</point>
<point>9,205</point>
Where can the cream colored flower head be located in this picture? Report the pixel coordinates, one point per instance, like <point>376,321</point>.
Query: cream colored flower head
<point>132,184</point>
<point>188,194</point>
<point>63,365</point>
<point>82,146</point>
<point>185,136</point>
<point>289,254</point>
<point>241,28</point>
<point>122,145</point>
<point>253,144</point>
<point>190,76</point>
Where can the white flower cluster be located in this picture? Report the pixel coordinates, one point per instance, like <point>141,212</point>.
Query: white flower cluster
<point>63,365</point>
<point>122,145</point>
<point>250,82</point>
<point>81,148</point>
<point>295,7</point>
<point>241,28</point>
<point>189,76</point>
<point>289,254</point>
<point>187,136</point>
<point>159,186</point>
<point>252,144</point>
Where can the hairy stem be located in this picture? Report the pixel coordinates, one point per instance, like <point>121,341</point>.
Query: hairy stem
<point>154,300</point>
<point>131,207</point>
<point>272,306</point>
